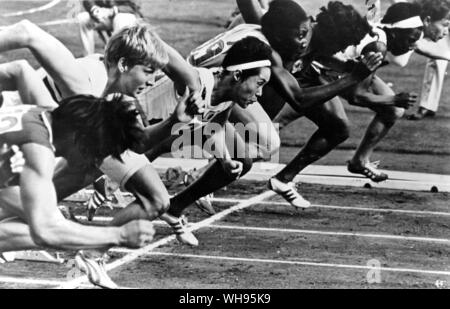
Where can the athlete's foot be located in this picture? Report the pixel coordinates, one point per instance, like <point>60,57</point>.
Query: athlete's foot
<point>203,203</point>
<point>180,228</point>
<point>95,270</point>
<point>289,193</point>
<point>369,170</point>
<point>98,198</point>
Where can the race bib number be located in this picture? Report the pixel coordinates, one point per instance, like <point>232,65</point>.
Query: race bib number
<point>11,119</point>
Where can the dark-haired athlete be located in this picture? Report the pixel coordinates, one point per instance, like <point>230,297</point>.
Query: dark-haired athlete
<point>397,34</point>
<point>84,130</point>
<point>288,30</point>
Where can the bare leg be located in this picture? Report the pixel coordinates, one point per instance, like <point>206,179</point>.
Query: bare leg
<point>383,121</point>
<point>56,59</point>
<point>333,130</point>
<point>213,179</point>
<point>20,76</point>
<point>152,197</point>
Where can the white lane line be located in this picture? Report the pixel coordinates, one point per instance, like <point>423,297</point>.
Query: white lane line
<point>332,207</point>
<point>363,235</point>
<point>135,254</point>
<point>300,231</point>
<point>34,10</point>
<point>40,282</point>
<point>298,263</point>
<point>29,281</point>
<point>382,210</point>
<point>57,22</point>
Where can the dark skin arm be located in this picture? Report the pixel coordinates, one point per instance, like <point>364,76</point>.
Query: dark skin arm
<point>286,84</point>
<point>251,11</point>
<point>301,98</point>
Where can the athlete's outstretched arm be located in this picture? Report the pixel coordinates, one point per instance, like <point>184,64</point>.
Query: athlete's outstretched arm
<point>47,225</point>
<point>301,98</point>
<point>20,76</point>
<point>435,50</point>
<point>251,11</point>
<point>181,72</point>
<point>54,57</point>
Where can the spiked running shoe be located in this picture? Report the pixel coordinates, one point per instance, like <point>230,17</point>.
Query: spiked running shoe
<point>180,228</point>
<point>288,192</point>
<point>369,170</point>
<point>94,270</point>
<point>98,198</point>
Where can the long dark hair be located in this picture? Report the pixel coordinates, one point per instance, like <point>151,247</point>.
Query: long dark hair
<point>100,127</point>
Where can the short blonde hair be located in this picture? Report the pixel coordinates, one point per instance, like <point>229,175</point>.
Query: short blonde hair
<point>137,44</point>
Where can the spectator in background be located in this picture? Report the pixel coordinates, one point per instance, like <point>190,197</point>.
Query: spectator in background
<point>436,68</point>
<point>105,17</point>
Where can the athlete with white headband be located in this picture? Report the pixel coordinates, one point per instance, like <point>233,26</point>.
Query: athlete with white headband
<point>395,36</point>
<point>239,82</point>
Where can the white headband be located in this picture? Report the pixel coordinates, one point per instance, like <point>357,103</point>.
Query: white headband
<point>249,65</point>
<point>413,22</point>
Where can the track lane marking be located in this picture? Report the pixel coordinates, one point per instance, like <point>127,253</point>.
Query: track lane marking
<point>135,254</point>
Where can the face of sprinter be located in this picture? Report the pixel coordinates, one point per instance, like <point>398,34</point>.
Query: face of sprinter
<point>137,78</point>
<point>436,30</point>
<point>404,40</point>
<point>247,91</point>
<point>299,39</point>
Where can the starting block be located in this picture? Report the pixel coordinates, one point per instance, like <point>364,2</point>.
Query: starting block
<point>35,256</point>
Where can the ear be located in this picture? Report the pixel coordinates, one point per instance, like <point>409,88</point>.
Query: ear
<point>122,65</point>
<point>237,75</point>
<point>427,21</point>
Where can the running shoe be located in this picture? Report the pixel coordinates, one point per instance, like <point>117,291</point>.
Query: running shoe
<point>289,193</point>
<point>369,170</point>
<point>98,198</point>
<point>180,228</point>
<point>95,270</point>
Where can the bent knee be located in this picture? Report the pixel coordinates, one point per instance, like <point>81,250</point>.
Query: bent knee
<point>338,130</point>
<point>391,115</point>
